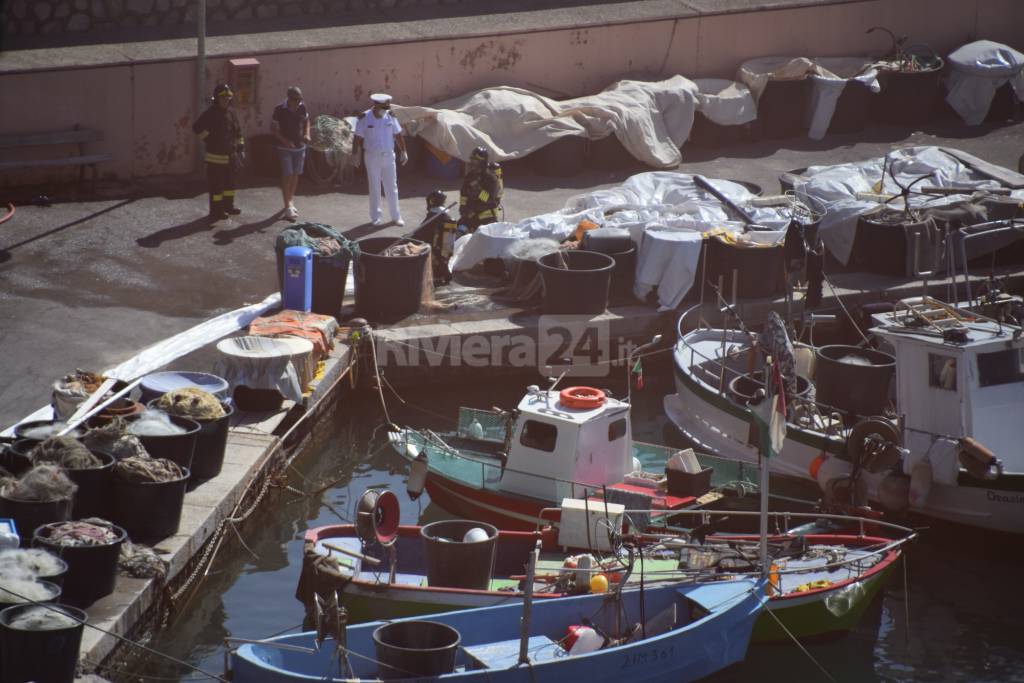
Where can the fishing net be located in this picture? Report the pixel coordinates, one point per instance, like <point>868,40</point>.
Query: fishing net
<point>41,484</point>
<point>154,423</point>
<point>331,134</point>
<point>19,588</point>
<point>192,403</point>
<point>141,562</point>
<point>86,532</point>
<point>65,451</point>
<point>42,619</point>
<point>115,439</point>
<point>33,561</point>
<point>147,469</point>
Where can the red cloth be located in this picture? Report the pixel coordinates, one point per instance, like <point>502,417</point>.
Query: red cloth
<point>319,329</point>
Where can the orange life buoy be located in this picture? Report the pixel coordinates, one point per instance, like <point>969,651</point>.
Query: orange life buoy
<point>581,397</point>
<point>815,465</point>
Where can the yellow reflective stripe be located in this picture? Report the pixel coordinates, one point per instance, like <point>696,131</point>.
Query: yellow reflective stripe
<point>229,193</point>
<point>489,213</point>
<point>217,197</point>
<point>462,201</point>
<point>216,158</point>
<point>484,195</point>
<point>205,134</point>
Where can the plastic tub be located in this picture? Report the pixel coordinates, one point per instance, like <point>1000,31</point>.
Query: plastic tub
<point>782,109</point>
<point>582,287</point>
<point>148,510</point>
<point>451,563</point>
<point>93,495</point>
<point>92,569</point>
<point>329,276</point>
<point>760,270</point>
<point>30,515</point>
<point>858,388</point>
<point>562,158</point>
<point>411,649</point>
<point>388,288</point>
<point>20,430</point>
<point>177,447</point>
<point>624,274</point>
<point>211,444</point>
<point>907,97</point>
<point>744,387</point>
<point>159,383</point>
<point>441,165</point>
<point>49,656</point>
<point>14,458</point>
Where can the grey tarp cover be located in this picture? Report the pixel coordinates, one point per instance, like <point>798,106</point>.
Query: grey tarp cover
<point>651,120</point>
<point>978,70</point>
<point>841,187</point>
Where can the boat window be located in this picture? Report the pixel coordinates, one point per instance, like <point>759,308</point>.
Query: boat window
<point>942,371</point>
<point>539,435</point>
<point>1000,367</point>
<point>616,429</point>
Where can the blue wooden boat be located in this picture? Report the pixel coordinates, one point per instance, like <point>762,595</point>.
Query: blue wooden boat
<point>671,633</point>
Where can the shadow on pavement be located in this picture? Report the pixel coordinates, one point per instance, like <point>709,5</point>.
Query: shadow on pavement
<point>59,228</point>
<point>173,233</point>
<point>365,230</point>
<point>225,237</point>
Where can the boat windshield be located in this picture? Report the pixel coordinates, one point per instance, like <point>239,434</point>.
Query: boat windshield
<point>1001,367</point>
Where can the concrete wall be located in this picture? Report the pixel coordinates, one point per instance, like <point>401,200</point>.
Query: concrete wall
<point>145,109</point>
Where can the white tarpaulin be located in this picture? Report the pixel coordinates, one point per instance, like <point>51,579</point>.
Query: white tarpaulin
<point>829,76</point>
<point>978,70</point>
<point>666,213</point>
<point>837,187</point>
<point>651,120</point>
<point>725,102</point>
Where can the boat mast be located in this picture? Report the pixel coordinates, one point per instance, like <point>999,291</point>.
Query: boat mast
<point>524,630</point>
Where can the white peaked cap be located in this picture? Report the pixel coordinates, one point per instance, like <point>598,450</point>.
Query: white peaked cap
<point>380,98</point>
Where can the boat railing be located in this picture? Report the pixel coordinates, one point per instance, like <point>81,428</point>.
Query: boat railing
<point>906,534</point>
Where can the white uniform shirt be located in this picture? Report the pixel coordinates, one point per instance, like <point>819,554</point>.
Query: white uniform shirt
<point>378,134</point>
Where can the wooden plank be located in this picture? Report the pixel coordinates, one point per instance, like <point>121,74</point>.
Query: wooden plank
<point>59,137</point>
<point>66,161</point>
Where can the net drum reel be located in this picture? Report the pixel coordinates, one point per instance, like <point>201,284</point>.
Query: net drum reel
<point>377,518</point>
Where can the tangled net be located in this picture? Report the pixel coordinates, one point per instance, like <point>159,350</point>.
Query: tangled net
<point>65,451</point>
<point>115,439</point>
<point>192,403</point>
<point>147,469</point>
<point>41,484</point>
<point>331,134</point>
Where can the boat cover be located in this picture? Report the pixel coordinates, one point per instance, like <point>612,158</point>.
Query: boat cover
<point>978,70</point>
<point>666,214</point>
<point>725,102</point>
<point>829,77</point>
<point>838,187</point>
<point>652,120</point>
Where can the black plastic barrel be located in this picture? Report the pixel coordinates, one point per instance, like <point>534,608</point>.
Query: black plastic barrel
<point>49,656</point>
<point>148,510</point>
<point>179,448</point>
<point>21,430</point>
<point>451,563</point>
<point>782,109</point>
<point>562,158</point>
<point>92,569</point>
<point>14,458</point>
<point>388,288</point>
<point>412,649</point>
<point>852,108</point>
<point>785,184</point>
<point>707,133</point>
<point>582,287</point>
<point>211,443</point>
<point>744,387</point>
<point>881,246</point>
<point>93,495</point>
<point>907,97</point>
<point>760,270</point>
<point>329,276</point>
<point>853,380</point>
<point>624,274</point>
<point>30,515</point>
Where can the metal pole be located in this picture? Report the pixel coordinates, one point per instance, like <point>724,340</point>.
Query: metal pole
<point>768,375</point>
<point>524,634</point>
<point>200,71</point>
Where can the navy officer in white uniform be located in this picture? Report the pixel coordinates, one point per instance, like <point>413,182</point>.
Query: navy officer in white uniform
<point>379,133</point>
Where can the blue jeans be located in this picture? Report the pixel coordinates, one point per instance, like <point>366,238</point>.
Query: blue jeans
<point>292,160</point>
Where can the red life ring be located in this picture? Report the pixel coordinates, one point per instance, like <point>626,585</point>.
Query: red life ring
<point>581,397</point>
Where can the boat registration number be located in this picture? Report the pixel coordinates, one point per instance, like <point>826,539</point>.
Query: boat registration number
<point>647,656</point>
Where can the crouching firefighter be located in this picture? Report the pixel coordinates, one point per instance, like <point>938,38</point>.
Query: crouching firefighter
<point>482,188</point>
<point>440,231</point>
<point>218,128</point>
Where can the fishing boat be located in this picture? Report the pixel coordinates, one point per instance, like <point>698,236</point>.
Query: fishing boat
<point>929,423</point>
<point>506,467</point>
<point>821,585</point>
<point>671,633</point>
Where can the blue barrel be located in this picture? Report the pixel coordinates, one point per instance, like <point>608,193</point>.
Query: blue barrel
<point>297,294</point>
<point>441,165</point>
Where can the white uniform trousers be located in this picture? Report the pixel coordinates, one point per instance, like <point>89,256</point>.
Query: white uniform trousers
<point>380,171</point>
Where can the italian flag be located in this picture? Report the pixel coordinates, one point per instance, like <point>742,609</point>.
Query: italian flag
<point>769,416</point>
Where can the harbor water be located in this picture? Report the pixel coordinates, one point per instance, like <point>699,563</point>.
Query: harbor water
<point>958,621</point>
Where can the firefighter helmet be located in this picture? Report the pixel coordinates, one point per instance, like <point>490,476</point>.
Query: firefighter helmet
<point>222,89</point>
<point>436,198</point>
<point>479,154</point>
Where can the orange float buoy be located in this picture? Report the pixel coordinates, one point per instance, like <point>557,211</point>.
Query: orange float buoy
<point>581,397</point>
<point>815,465</point>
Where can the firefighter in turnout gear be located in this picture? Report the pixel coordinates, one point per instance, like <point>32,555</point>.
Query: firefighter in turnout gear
<point>481,193</point>
<point>219,129</point>
<point>440,231</point>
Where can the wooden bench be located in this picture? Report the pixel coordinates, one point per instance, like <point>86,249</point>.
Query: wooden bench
<point>77,136</point>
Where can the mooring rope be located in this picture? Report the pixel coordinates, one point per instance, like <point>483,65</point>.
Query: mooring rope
<point>800,645</point>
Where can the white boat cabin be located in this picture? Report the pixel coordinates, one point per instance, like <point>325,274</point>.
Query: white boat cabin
<point>956,376</point>
<point>554,445</point>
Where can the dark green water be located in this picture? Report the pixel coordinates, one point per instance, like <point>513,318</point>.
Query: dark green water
<point>966,604</point>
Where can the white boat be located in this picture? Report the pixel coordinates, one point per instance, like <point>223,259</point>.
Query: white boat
<point>950,450</point>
